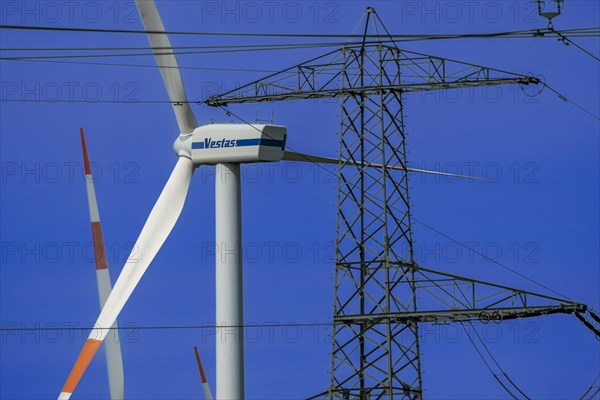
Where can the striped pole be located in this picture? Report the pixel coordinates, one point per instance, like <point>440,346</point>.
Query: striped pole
<point>112,346</point>
<point>207,392</point>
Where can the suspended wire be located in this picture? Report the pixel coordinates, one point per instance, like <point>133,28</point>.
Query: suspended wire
<point>588,32</point>
<point>98,101</point>
<point>170,327</point>
<point>157,48</point>
<point>593,395</point>
<point>227,50</point>
<point>566,100</point>
<point>143,65</point>
<point>502,372</point>
<point>588,325</point>
<point>594,316</point>
<point>208,49</point>
<point>220,47</point>
<point>174,53</point>
<point>568,41</point>
<point>592,386</point>
<point>489,259</point>
<point>488,365</point>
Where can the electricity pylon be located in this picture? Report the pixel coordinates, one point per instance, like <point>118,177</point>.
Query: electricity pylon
<point>376,317</point>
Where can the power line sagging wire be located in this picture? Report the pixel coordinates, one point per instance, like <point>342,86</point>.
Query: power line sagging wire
<point>491,260</point>
<point>563,38</point>
<point>529,33</point>
<point>199,50</point>
<point>142,65</point>
<point>497,375</point>
<point>168,327</point>
<point>566,100</point>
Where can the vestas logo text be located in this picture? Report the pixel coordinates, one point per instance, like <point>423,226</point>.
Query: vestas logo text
<point>217,144</point>
<point>209,143</point>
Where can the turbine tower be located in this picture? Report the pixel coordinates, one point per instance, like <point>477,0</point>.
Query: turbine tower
<point>229,314</point>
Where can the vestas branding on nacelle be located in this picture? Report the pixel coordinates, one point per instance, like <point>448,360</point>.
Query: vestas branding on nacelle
<point>243,143</point>
<point>210,143</point>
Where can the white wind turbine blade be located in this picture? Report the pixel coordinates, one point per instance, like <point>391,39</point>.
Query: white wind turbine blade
<point>114,360</point>
<point>290,156</point>
<point>158,226</point>
<point>161,46</point>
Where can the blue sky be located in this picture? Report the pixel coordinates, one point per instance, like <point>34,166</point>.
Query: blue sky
<point>540,216</point>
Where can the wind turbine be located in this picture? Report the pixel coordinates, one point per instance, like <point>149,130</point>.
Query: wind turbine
<point>114,361</point>
<point>226,146</point>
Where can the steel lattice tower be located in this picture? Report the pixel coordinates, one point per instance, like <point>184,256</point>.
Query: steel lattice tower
<point>374,237</point>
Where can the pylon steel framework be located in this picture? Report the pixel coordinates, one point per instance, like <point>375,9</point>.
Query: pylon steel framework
<point>374,232</point>
<point>375,352</point>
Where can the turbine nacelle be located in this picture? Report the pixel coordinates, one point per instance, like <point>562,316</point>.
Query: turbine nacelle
<point>233,143</point>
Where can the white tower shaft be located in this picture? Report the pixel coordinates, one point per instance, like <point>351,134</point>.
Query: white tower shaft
<point>229,312</point>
